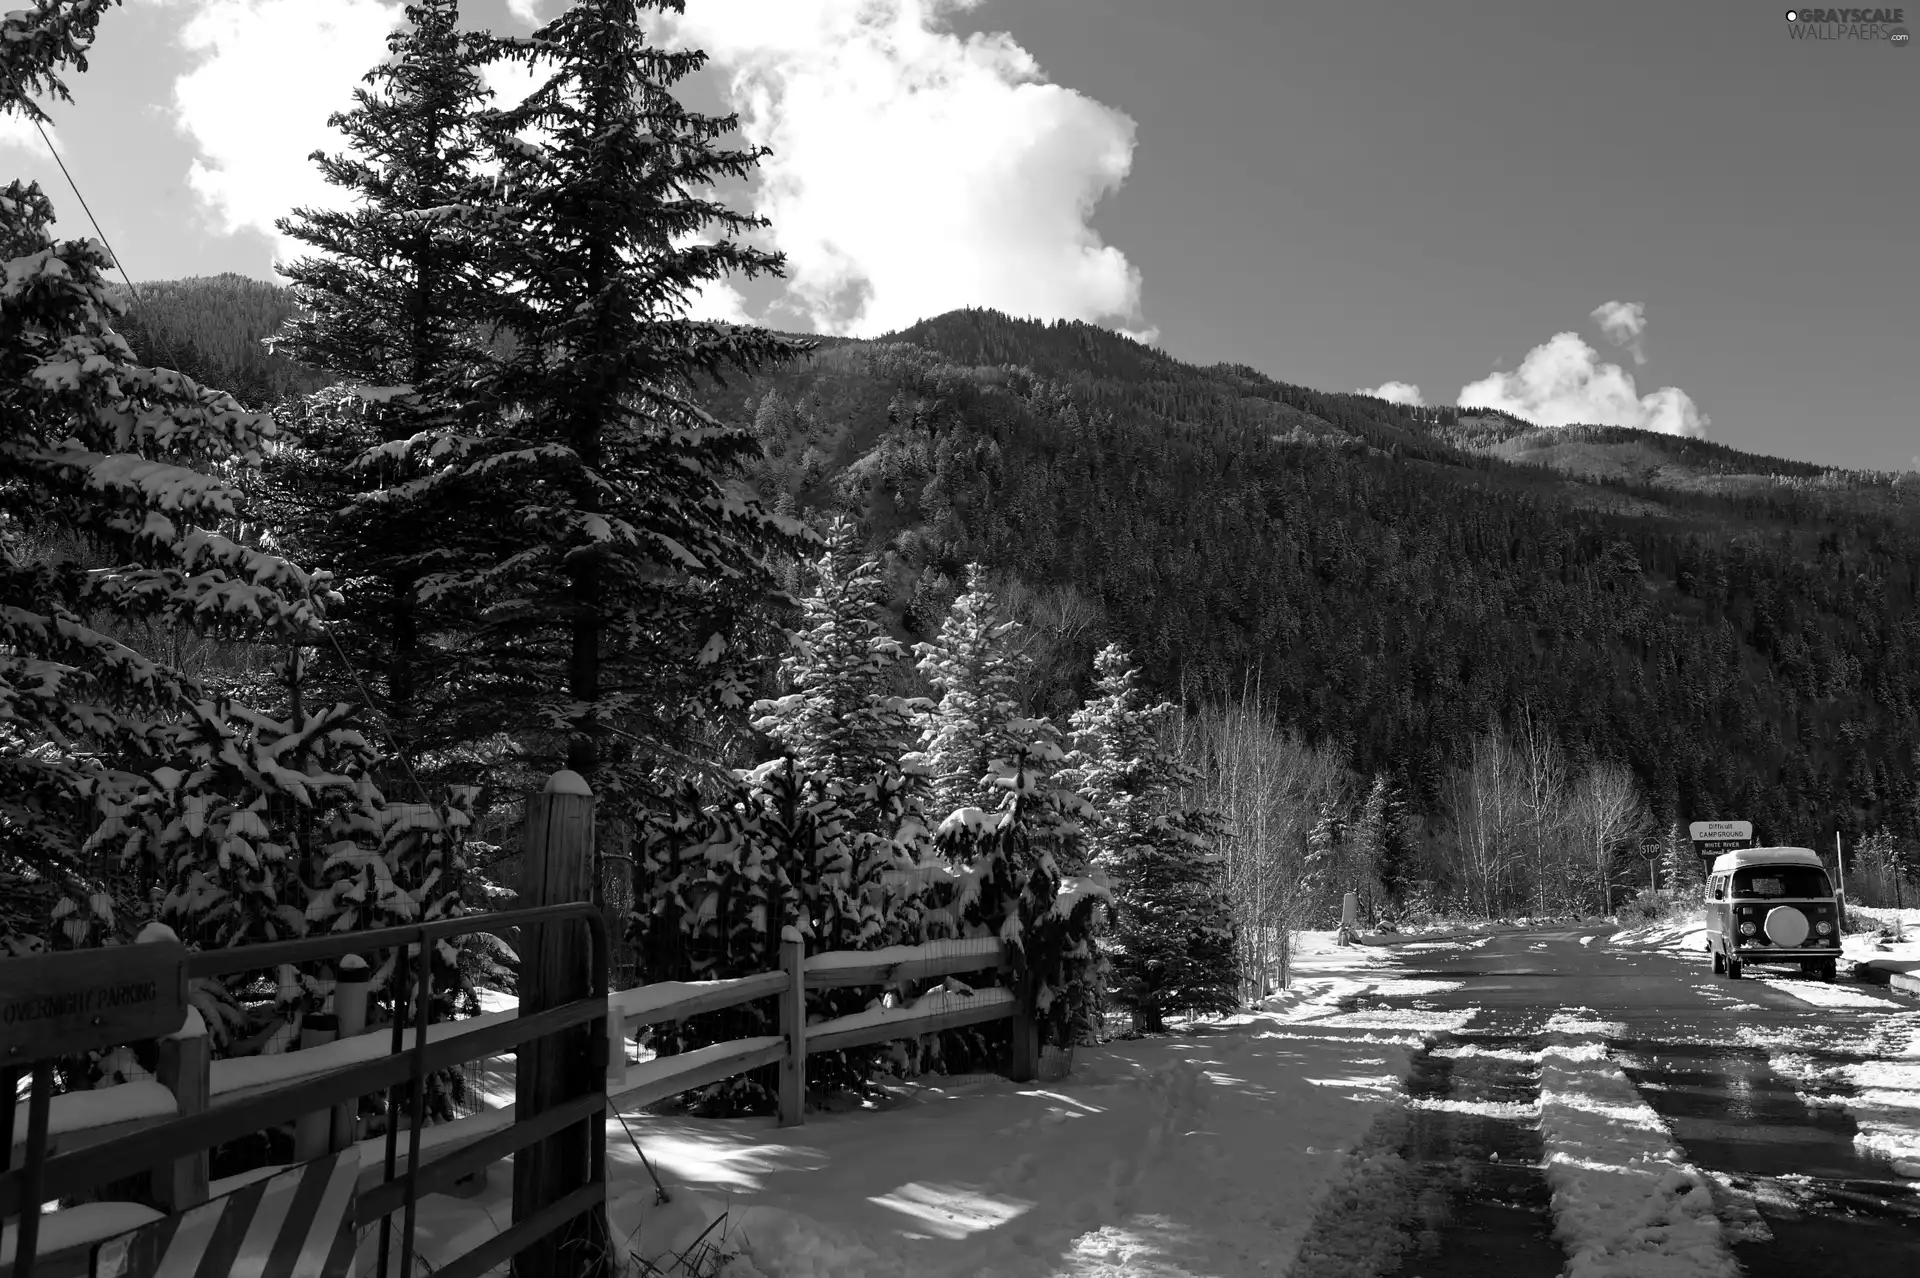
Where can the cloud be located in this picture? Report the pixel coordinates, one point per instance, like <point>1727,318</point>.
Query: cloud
<point>17,131</point>
<point>272,71</point>
<point>1562,382</point>
<point>914,170</point>
<point>1623,322</point>
<point>1395,393</point>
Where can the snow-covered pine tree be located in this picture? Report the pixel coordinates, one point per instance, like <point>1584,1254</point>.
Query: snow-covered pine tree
<point>1172,943</point>
<point>1326,858</point>
<point>843,724</point>
<point>840,719</point>
<point>390,303</point>
<point>609,567</point>
<point>1014,887</point>
<point>1680,869</point>
<point>975,667</point>
<point>120,523</point>
<point>1381,849</point>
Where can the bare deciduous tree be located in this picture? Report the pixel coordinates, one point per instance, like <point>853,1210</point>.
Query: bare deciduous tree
<point>1611,814</point>
<point>1270,785</point>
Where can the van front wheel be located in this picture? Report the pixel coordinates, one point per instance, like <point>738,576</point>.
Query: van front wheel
<point>1719,962</point>
<point>1830,971</point>
<point>1733,968</point>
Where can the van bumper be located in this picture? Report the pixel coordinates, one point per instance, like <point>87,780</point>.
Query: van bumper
<point>1779,953</point>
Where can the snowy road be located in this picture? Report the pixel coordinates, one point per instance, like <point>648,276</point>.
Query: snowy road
<point>1511,1102</point>
<point>1666,1121</point>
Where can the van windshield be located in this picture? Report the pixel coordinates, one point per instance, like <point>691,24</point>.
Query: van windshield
<point>1780,880</point>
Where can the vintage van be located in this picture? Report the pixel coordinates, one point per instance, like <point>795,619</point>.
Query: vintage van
<point>1772,905</point>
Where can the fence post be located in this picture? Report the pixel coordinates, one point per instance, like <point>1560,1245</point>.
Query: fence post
<point>616,1045</point>
<point>313,1133</point>
<point>793,1027</point>
<point>1024,1066</point>
<point>555,963</point>
<point>350,977</point>
<point>185,1069</point>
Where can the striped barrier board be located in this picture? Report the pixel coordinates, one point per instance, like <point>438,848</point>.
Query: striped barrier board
<point>298,1224</point>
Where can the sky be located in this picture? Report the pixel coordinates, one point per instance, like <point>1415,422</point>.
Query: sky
<point>1677,215</point>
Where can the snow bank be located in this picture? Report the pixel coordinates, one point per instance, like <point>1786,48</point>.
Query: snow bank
<point>1625,1200</point>
<point>1678,936</point>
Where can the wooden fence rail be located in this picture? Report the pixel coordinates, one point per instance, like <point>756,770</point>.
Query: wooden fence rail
<point>569,1032</point>
<point>175,1143</point>
<point>240,1093</point>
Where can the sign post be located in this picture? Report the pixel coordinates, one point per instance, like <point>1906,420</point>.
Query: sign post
<point>1711,838</point>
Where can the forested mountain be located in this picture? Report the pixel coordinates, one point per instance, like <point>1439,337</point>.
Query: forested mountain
<point>1740,630</point>
<point>211,328</point>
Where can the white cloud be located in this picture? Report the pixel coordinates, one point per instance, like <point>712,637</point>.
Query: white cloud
<point>1562,382</point>
<point>273,71</point>
<point>915,171</point>
<point>17,131</point>
<point>1395,393</point>
<point>1623,322</point>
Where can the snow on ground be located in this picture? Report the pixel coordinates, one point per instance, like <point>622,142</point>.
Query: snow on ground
<point>1885,947</point>
<point>1881,1093</point>
<point>1625,1200</point>
<point>1811,990</point>
<point>1677,936</point>
<point>1202,1152</point>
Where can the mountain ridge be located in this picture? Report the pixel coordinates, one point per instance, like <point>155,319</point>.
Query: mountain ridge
<point>1740,630</point>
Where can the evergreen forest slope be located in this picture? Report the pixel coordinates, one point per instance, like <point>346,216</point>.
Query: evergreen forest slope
<point>1741,630</point>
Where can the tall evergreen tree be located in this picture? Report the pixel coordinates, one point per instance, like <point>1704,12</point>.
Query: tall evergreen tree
<point>391,303</point>
<point>608,565</point>
<point>841,721</point>
<point>1680,869</point>
<point>1173,941</point>
<point>1328,879</point>
<point>1012,864</point>
<point>975,666</point>
<point>1382,850</point>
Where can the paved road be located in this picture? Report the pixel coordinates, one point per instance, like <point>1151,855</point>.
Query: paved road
<point>1796,1194</point>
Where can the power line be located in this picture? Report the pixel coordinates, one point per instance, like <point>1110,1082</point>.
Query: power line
<point>83,204</point>
<point>399,750</point>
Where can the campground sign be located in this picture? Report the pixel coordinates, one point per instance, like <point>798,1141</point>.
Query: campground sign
<point>1711,838</point>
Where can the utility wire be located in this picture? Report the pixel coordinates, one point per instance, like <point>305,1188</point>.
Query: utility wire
<point>83,204</point>
<point>399,752</point>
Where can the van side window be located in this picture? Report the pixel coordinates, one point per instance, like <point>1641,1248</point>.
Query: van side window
<point>1719,887</point>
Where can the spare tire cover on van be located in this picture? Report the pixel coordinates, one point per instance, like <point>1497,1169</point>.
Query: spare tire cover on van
<point>1786,926</point>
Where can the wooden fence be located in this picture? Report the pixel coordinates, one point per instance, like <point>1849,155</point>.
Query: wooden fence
<point>555,1130</point>
<point>170,1126</point>
<point>632,1086</point>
